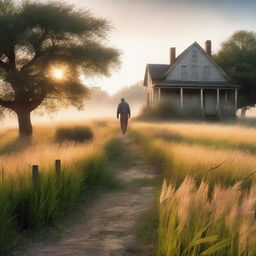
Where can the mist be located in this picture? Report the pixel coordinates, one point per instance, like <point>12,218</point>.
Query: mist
<point>144,30</point>
<point>100,105</point>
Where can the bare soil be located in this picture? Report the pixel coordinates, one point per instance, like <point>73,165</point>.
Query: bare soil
<point>104,227</point>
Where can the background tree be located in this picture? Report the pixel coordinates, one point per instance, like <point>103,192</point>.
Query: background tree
<point>237,56</point>
<point>134,94</point>
<point>44,48</point>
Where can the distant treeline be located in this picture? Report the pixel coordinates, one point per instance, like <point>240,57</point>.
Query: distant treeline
<point>135,95</point>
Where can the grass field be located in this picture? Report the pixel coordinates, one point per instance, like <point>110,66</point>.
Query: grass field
<point>30,205</point>
<point>208,199</point>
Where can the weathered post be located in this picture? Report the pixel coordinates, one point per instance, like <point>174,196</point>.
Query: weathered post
<point>35,174</point>
<point>58,167</point>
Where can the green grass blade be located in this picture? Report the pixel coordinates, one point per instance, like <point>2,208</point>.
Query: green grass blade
<point>219,246</point>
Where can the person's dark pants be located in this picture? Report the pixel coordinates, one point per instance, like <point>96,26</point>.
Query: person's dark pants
<point>124,122</point>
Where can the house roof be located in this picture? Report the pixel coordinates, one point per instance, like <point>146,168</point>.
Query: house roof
<point>200,84</point>
<point>158,72</point>
<point>203,52</point>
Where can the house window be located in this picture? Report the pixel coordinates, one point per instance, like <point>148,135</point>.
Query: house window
<point>194,56</point>
<point>194,73</point>
<point>183,72</point>
<point>206,72</point>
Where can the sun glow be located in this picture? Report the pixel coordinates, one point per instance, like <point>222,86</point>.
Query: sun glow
<point>58,73</point>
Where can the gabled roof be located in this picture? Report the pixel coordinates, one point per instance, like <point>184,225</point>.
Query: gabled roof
<point>156,71</point>
<point>203,52</point>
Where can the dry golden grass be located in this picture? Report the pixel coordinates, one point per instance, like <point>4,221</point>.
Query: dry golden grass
<point>204,210</point>
<point>197,160</point>
<point>42,149</point>
<point>191,223</point>
<point>27,203</point>
<point>44,156</point>
<point>233,135</point>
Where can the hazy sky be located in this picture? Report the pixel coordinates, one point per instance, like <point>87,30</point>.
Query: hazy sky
<point>144,30</point>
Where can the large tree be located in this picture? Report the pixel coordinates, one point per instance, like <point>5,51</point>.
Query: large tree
<point>237,56</point>
<point>44,49</point>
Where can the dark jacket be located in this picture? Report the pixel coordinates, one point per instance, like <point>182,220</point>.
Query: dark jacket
<point>123,108</point>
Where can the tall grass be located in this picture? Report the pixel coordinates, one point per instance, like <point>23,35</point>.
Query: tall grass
<point>28,205</point>
<point>193,224</point>
<point>176,160</point>
<point>211,135</point>
<point>208,200</point>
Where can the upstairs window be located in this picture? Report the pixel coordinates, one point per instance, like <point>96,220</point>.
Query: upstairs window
<point>194,56</point>
<point>194,73</point>
<point>206,71</point>
<point>183,72</point>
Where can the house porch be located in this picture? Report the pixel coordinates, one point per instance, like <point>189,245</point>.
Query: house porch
<point>210,101</point>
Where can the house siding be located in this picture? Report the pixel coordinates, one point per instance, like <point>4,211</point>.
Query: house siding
<point>201,61</point>
<point>193,81</point>
<point>173,96</point>
<point>192,98</point>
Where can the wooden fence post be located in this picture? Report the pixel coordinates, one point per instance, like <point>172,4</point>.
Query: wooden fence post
<point>58,167</point>
<point>35,173</point>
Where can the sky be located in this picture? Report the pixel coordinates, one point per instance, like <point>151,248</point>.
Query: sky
<point>144,30</point>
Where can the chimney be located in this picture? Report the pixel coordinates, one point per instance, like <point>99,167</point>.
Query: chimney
<point>208,47</point>
<point>172,55</point>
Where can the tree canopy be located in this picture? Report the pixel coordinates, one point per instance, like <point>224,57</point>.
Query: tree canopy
<point>237,56</point>
<point>38,39</point>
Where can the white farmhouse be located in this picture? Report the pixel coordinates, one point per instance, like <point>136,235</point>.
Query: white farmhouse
<point>192,80</point>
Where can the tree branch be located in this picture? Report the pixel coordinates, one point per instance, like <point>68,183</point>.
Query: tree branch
<point>38,50</point>
<point>38,101</point>
<point>7,104</point>
<point>4,65</point>
<point>12,58</point>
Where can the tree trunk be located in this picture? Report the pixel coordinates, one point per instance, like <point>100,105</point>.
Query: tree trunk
<point>243,111</point>
<point>25,126</point>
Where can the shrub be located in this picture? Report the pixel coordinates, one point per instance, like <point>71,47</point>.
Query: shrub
<point>166,110</point>
<point>101,123</point>
<point>76,134</point>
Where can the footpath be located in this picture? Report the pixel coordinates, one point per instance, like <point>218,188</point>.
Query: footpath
<point>105,227</point>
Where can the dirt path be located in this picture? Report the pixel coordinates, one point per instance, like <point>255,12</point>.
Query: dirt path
<point>106,227</point>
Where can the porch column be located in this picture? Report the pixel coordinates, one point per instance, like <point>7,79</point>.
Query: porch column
<point>159,94</point>
<point>235,100</point>
<point>218,100</point>
<point>202,98</point>
<point>148,99</point>
<point>181,97</point>
<point>226,101</point>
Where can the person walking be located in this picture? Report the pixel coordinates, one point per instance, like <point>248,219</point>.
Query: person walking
<point>123,110</point>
